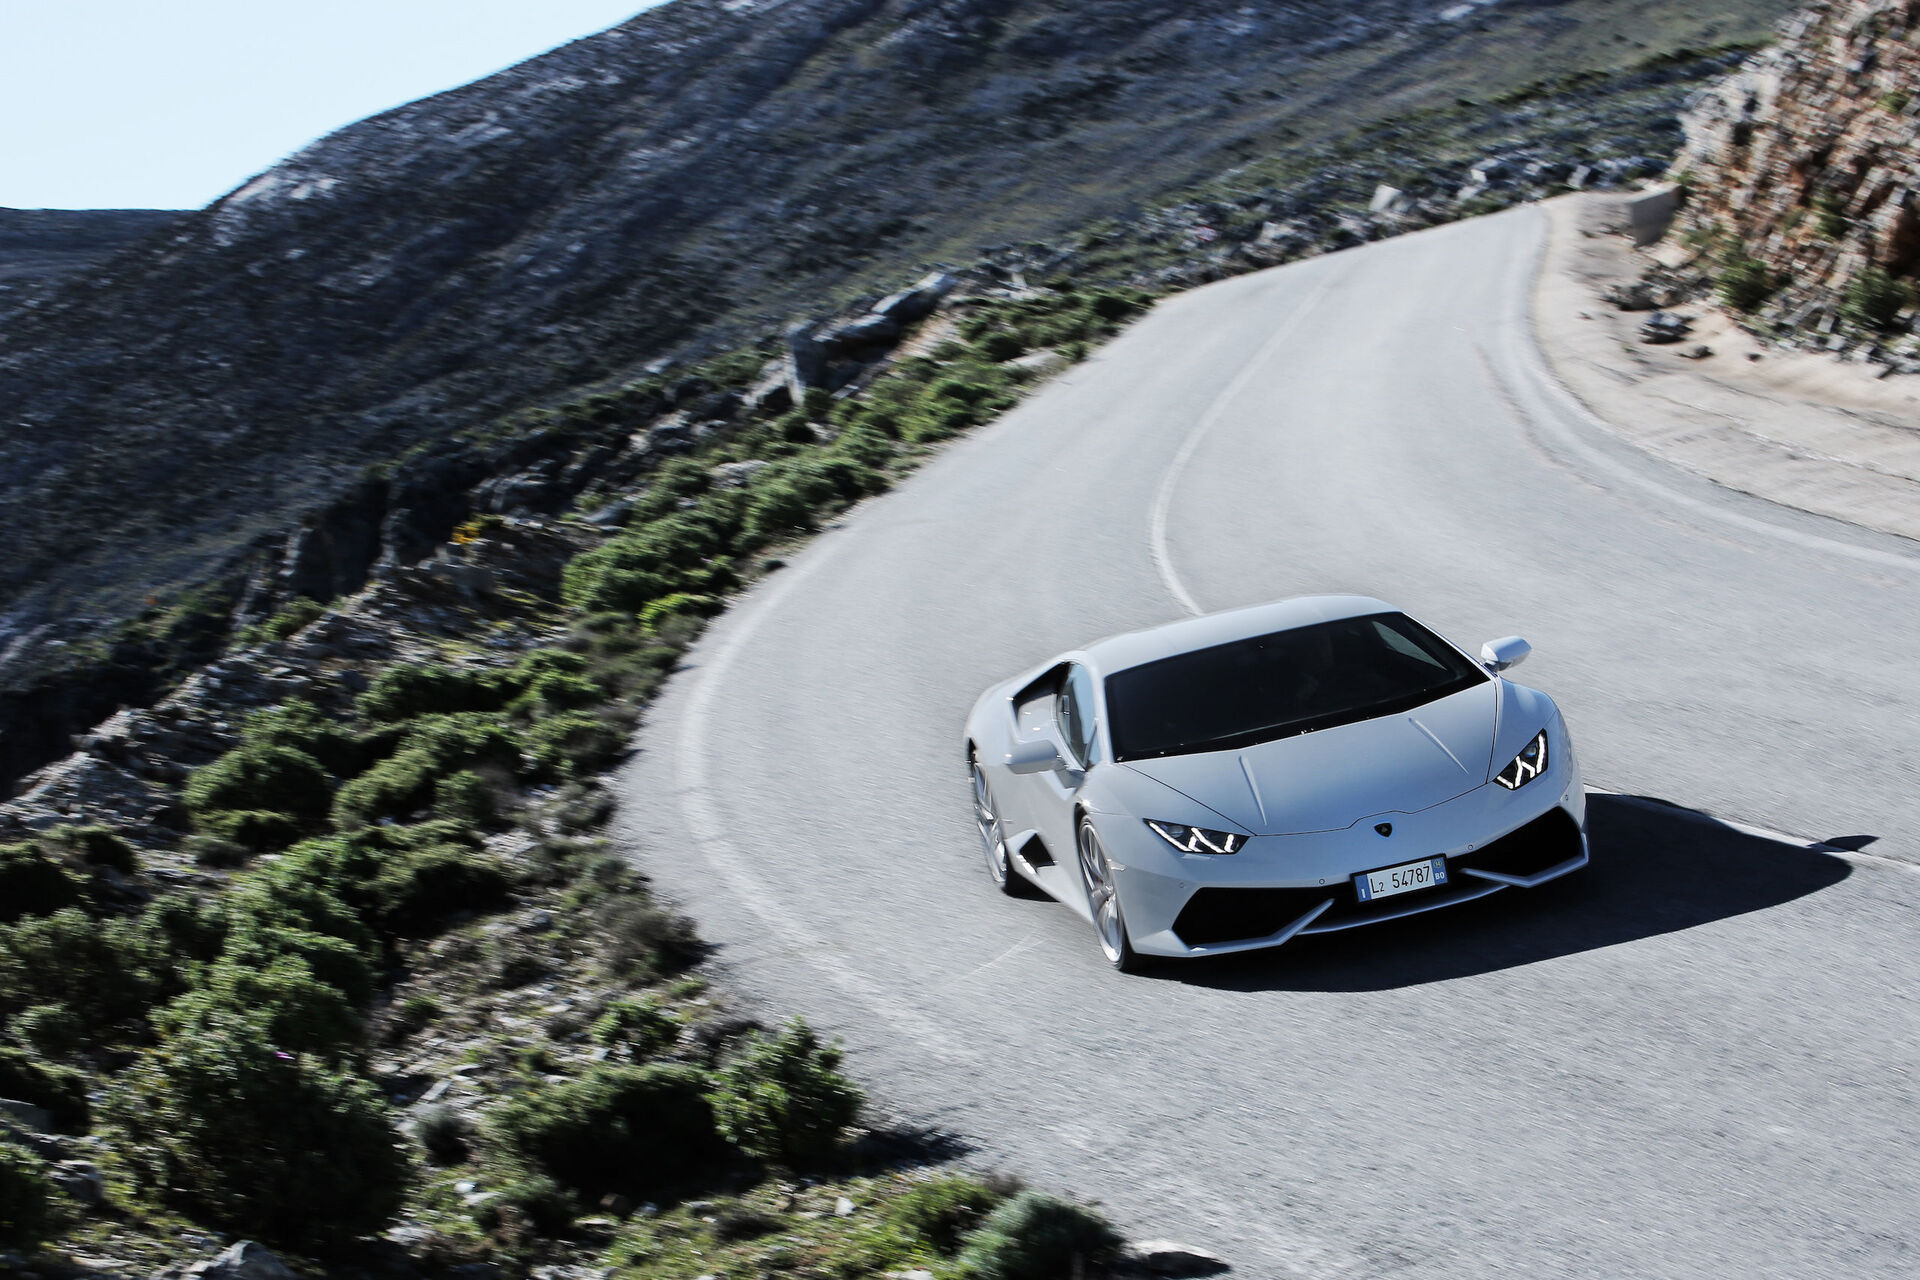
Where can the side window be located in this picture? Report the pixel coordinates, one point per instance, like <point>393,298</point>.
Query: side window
<point>1076,713</point>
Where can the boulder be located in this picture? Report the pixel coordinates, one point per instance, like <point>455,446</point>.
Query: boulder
<point>243,1261</point>
<point>1665,326</point>
<point>737,475</point>
<point>82,1180</point>
<point>919,302</point>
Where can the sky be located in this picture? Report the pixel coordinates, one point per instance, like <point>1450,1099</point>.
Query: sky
<point>169,104</point>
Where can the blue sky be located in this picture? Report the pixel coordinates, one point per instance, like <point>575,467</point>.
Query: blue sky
<point>168,104</point>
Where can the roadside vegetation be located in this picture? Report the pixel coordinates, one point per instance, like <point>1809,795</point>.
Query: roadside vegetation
<point>390,867</point>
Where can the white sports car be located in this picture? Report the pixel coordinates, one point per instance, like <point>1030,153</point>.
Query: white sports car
<point>1225,783</point>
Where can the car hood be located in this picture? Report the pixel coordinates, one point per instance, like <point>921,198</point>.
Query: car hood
<point>1330,779</point>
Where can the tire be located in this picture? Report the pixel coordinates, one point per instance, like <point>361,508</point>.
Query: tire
<point>1006,876</point>
<point>1103,897</point>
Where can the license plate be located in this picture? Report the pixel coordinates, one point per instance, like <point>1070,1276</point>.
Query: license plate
<point>1404,878</point>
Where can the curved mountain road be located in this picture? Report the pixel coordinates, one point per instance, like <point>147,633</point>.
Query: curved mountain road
<point>1696,1059</point>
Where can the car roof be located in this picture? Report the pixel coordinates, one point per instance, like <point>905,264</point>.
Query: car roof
<point>1117,653</point>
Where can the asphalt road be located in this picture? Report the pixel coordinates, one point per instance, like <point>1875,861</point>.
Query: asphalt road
<point>1696,1059</point>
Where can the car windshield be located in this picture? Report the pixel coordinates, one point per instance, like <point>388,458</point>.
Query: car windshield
<point>1274,686</point>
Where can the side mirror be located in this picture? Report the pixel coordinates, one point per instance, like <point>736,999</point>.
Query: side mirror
<point>1509,651</point>
<point>1033,755</point>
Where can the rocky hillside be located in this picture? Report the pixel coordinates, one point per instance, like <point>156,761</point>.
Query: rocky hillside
<point>1803,171</point>
<point>38,245</point>
<point>712,166</point>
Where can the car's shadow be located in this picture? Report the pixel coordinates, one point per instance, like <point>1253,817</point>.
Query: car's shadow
<point>1656,868</point>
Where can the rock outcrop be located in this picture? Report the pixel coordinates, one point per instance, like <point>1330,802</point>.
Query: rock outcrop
<point>1808,157</point>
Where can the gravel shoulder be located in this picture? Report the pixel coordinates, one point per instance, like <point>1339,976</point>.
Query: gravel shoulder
<point>1797,428</point>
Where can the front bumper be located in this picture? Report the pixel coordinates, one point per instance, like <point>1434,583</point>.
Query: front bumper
<point>1279,887</point>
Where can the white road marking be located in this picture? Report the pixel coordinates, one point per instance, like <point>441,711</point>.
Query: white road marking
<point>709,829</point>
<point>1216,410</point>
<point>1525,347</point>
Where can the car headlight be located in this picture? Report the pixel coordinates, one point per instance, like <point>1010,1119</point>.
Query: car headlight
<point>1197,839</point>
<point>1525,767</point>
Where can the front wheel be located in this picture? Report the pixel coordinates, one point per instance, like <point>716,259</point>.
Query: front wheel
<point>992,837</point>
<point>1103,896</point>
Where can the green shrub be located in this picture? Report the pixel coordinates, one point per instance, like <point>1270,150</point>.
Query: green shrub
<point>406,691</point>
<point>417,891</point>
<point>784,1100</point>
<point>444,1134</point>
<point>26,1198</point>
<point>678,605</point>
<point>1874,300</point>
<point>261,1142</point>
<point>289,1007</point>
<point>261,780</point>
<point>1745,282</point>
<point>96,846</point>
<point>1832,208</point>
<point>104,973</point>
<point>541,1201</point>
<point>640,1027</point>
<point>299,614</point>
<point>1002,345</point>
<point>302,726</point>
<point>1038,1237</point>
<point>61,1091</point>
<point>944,1211</point>
<point>51,1030</point>
<point>394,788</point>
<point>464,797</point>
<point>637,1130</point>
<point>575,743</point>
<point>252,830</point>
<point>686,551</point>
<point>32,884</point>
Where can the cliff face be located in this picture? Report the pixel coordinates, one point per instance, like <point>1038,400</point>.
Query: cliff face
<point>1809,156</point>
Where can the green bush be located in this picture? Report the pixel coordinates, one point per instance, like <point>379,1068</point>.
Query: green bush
<point>1874,300</point>
<point>259,1141</point>
<point>575,743</point>
<point>299,614</point>
<point>61,1091</point>
<point>1038,1237</point>
<point>302,726</point>
<point>51,1030</point>
<point>406,691</point>
<point>944,1211</point>
<point>444,1134</point>
<point>279,994</point>
<point>418,890</point>
<point>686,551</point>
<point>541,1201</point>
<point>464,797</point>
<point>1745,282</point>
<point>26,1198</point>
<point>260,778</point>
<point>678,605</point>
<point>1002,345</point>
<point>640,1027</point>
<point>32,884</point>
<point>397,787</point>
<point>252,830</point>
<point>96,846</point>
<point>782,1099</point>
<point>638,1130</point>
<point>104,973</point>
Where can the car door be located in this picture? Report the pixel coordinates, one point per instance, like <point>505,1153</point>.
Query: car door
<point>1054,790</point>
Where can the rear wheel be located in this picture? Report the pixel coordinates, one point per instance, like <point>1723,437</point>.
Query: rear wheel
<point>992,837</point>
<point>1103,896</point>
